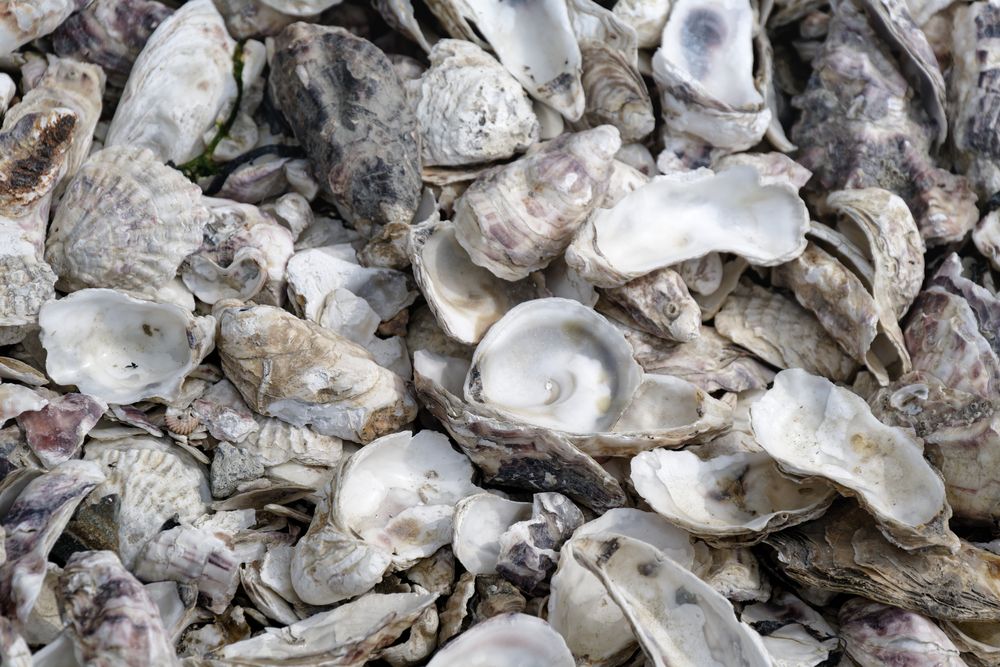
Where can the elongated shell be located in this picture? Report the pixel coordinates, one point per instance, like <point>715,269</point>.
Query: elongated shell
<point>111,616</point>
<point>181,85</point>
<point>300,372</point>
<point>347,109</point>
<point>615,91</point>
<point>21,22</point>
<point>126,221</point>
<point>122,349</point>
<point>517,219</point>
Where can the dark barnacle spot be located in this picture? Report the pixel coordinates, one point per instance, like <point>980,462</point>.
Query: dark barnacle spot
<point>132,364</point>
<point>648,569</point>
<point>146,329</point>
<point>684,596</point>
<point>608,550</point>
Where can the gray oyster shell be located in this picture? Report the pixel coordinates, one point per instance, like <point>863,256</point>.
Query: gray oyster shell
<point>347,108</point>
<point>877,634</point>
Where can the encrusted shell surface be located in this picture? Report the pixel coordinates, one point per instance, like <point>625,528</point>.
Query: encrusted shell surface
<point>181,85</point>
<point>346,107</point>
<point>126,221</point>
<point>516,219</point>
<point>21,22</point>
<point>471,109</point>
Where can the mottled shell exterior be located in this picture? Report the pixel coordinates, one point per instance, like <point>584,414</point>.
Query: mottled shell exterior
<point>110,33</point>
<point>126,221</point>
<point>615,92</point>
<point>35,149</point>
<point>470,109</point>
<point>347,108</point>
<point>27,284</point>
<point>516,219</point>
<point>660,303</point>
<point>181,85</point>
<point>21,22</point>
<point>305,374</point>
<point>112,619</point>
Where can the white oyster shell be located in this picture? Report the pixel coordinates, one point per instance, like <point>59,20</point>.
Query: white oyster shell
<point>508,639</point>
<point>480,521</point>
<point>181,85</point>
<point>646,17</point>
<point>684,216</point>
<point>471,109</point>
<point>21,22</point>
<point>812,427</point>
<point>121,349</point>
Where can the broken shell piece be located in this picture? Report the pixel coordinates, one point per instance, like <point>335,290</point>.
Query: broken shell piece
<point>736,574</point>
<point>121,349</point>
<point>734,497</point>
<point>793,633</point>
<point>181,85</point>
<point>466,299</point>
<point>659,303</point>
<point>574,372</point>
<point>763,321</point>
<point>304,374</point>
<point>471,110</point>
<point>323,76</point>
<point>480,521</point>
<point>399,493</point>
<point>111,617</point>
<point>977,641</point>
<point>812,427</point>
<point>529,549</point>
<point>517,218</point>
<point>13,647</point>
<point>126,222</point>
<point>33,524</point>
<point>14,369</point>
<point>666,222</point>
<point>579,607</point>
<point>16,400</point>
<point>224,413</point>
<point>510,639</point>
<point>349,634</point>
<point>677,618</point>
<point>876,634</point>
<point>57,431</point>
<point>278,442</point>
<point>23,22</point>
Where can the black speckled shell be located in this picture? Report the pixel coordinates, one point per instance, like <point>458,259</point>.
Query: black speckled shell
<point>346,106</point>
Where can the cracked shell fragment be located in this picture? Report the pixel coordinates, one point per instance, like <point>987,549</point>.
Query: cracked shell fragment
<point>507,639</point>
<point>347,108</point>
<point>677,618</point>
<point>688,215</point>
<point>814,428</point>
<point>307,375</point>
<point>120,349</point>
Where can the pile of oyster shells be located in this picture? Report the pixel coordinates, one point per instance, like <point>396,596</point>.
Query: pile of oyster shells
<point>510,333</point>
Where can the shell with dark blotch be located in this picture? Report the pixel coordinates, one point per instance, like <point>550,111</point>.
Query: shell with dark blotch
<point>126,221</point>
<point>110,33</point>
<point>33,152</point>
<point>112,619</point>
<point>529,550</point>
<point>878,138</point>
<point>347,107</point>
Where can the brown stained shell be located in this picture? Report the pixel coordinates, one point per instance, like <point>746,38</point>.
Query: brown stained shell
<point>109,33</point>
<point>516,219</point>
<point>877,634</point>
<point>112,619</point>
<point>57,431</point>
<point>881,141</point>
<point>126,221</point>
<point>781,332</point>
<point>659,303</point>
<point>275,359</point>
<point>843,551</point>
<point>346,107</point>
<point>615,92</point>
<point>22,22</point>
<point>35,149</point>
<point>33,524</point>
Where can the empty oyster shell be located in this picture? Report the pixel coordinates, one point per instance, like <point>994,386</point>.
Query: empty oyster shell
<point>181,85</point>
<point>726,497</point>
<point>122,349</point>
<point>812,427</point>
<point>125,222</point>
<point>480,520</point>
<point>876,634</point>
<point>22,22</point>
<point>31,527</point>
<point>361,138</point>
<point>274,359</point>
<point>510,639</point>
<point>766,224</point>
<point>471,109</point>
<point>678,619</point>
<point>516,219</point>
<point>112,619</point>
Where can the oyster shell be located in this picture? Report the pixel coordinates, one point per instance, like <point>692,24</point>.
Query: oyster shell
<point>480,521</point>
<point>793,633</point>
<point>21,22</point>
<point>471,109</point>
<point>660,303</point>
<point>812,427</point>
<point>518,218</point>
<point>766,224</point>
<point>56,432</point>
<point>876,634</point>
<point>120,349</point>
<point>646,17</point>
<point>346,107</point>
<point>677,618</point>
<point>515,639</point>
<point>125,222</point>
<point>274,359</point>
<point>111,617</point>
